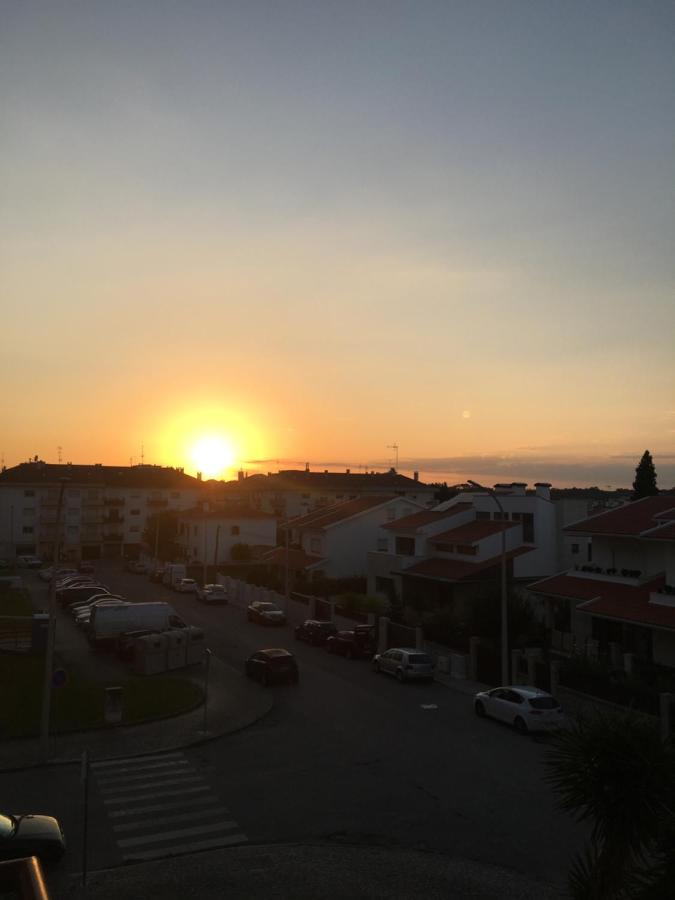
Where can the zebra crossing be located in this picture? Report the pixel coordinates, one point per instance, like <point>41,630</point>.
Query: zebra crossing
<point>160,806</point>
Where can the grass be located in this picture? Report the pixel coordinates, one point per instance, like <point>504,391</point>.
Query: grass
<point>15,602</point>
<point>79,704</point>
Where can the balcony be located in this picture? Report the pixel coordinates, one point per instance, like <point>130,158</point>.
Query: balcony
<point>114,501</point>
<point>113,537</point>
<point>87,504</point>
<point>110,519</point>
<point>157,502</point>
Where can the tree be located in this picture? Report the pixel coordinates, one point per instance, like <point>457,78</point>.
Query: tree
<point>616,772</point>
<point>161,531</point>
<point>645,478</point>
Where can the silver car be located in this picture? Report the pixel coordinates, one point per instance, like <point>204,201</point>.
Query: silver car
<point>405,663</point>
<point>526,708</point>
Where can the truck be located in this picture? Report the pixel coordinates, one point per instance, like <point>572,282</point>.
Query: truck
<point>173,574</point>
<point>108,622</point>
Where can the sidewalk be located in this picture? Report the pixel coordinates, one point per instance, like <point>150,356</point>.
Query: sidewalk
<point>233,704</point>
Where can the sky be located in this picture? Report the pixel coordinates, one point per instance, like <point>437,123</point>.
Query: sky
<point>236,234</point>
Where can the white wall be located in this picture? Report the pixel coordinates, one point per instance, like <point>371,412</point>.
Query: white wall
<point>204,534</point>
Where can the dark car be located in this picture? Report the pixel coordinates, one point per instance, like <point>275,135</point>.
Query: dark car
<point>356,643</point>
<point>39,836</point>
<point>315,631</point>
<point>272,666</point>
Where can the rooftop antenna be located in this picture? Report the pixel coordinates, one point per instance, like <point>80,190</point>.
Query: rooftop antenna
<point>131,461</point>
<point>142,454</point>
<point>60,449</point>
<point>394,447</point>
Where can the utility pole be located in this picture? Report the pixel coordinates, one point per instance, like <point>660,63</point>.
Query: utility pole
<point>215,554</point>
<point>51,638</point>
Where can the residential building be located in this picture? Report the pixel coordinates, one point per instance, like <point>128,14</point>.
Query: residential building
<point>439,553</point>
<point>334,541</point>
<point>622,599</point>
<point>207,533</point>
<point>104,511</point>
<point>291,493</point>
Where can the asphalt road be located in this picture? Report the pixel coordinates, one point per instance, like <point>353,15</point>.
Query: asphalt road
<point>348,757</point>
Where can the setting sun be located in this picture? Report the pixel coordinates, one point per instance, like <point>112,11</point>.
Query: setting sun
<point>212,456</point>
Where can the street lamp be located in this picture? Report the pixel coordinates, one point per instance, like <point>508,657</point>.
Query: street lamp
<point>51,636</point>
<point>207,666</point>
<point>504,604</point>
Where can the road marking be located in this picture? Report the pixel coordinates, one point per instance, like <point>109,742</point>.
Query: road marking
<point>429,706</point>
<point>131,761</point>
<point>171,820</point>
<point>138,770</point>
<point>179,833</point>
<point>146,776</point>
<point>159,807</point>
<point>156,795</point>
<point>124,788</point>
<point>181,849</point>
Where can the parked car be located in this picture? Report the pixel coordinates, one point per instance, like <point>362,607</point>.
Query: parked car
<point>133,565</point>
<point>355,643</point>
<point>83,617</point>
<point>185,586</point>
<point>79,593</point>
<point>29,835</point>
<point>265,613</point>
<point>86,568</point>
<point>272,666</point>
<point>76,608</point>
<point>57,572</point>
<point>315,631</point>
<point>526,708</point>
<point>405,663</point>
<point>29,562</point>
<point>212,593</point>
<point>156,575</point>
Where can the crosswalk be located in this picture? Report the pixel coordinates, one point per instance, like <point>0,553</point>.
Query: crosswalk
<point>160,806</point>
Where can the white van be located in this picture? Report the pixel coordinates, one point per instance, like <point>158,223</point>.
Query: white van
<point>108,622</point>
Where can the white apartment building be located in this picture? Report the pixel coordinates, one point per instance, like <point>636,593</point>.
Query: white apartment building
<point>207,533</point>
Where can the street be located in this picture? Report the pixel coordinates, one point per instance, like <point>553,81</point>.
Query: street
<point>347,756</point>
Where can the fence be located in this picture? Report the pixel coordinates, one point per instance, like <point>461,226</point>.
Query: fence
<point>16,634</point>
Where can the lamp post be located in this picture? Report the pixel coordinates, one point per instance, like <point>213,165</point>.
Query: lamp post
<point>207,663</point>
<point>504,601</point>
<point>51,637</point>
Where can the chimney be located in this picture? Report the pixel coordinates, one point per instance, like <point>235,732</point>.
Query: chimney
<point>543,490</point>
<point>518,488</point>
<point>348,471</point>
<point>416,476</point>
<point>240,475</point>
<point>306,467</point>
<point>199,476</point>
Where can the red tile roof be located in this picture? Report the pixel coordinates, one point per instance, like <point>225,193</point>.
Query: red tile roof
<point>612,600</point>
<point>631,519</point>
<point>338,512</point>
<point>457,569</point>
<point>663,533</point>
<point>297,559</point>
<point>418,520</point>
<point>472,532</point>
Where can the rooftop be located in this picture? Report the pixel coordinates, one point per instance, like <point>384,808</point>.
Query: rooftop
<point>301,480</point>
<point>472,532</point>
<point>457,569</point>
<point>42,473</point>
<point>630,520</point>
<point>297,559</point>
<point>418,520</point>
<point>338,512</point>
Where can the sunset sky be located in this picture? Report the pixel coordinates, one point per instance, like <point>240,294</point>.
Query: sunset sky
<point>304,231</point>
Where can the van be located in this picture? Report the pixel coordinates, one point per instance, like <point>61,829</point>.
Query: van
<point>107,623</point>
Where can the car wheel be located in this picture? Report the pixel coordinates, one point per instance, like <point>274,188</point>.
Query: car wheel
<point>479,707</point>
<point>400,674</point>
<point>520,725</point>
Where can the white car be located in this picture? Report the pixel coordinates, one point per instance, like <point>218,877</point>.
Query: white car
<point>186,586</point>
<point>212,593</point>
<point>405,663</point>
<point>526,708</point>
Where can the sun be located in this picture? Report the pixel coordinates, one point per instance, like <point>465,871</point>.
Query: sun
<point>212,456</point>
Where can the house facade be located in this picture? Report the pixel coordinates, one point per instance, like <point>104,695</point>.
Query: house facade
<point>622,599</point>
<point>104,511</point>
<point>292,493</point>
<point>207,534</point>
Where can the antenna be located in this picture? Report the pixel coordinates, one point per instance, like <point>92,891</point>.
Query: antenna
<point>60,448</point>
<point>394,447</point>
<point>142,454</point>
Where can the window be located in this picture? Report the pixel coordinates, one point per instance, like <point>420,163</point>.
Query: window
<point>575,549</point>
<point>73,492</point>
<point>528,528</point>
<point>481,516</point>
<point>590,551</point>
<point>29,511</point>
<point>234,529</point>
<point>134,512</point>
<point>304,496</point>
<point>405,546</point>
<point>135,528</point>
<point>382,544</point>
<point>466,549</point>
<point>29,493</point>
<point>500,516</point>
<point>27,529</point>
<point>73,530</point>
<point>175,495</point>
<point>194,529</point>
<point>195,552</point>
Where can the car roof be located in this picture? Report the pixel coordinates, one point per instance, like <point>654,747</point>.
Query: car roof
<point>407,650</point>
<point>276,651</point>
<point>527,690</point>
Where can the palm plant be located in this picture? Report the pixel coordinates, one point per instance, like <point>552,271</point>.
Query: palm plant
<point>615,772</point>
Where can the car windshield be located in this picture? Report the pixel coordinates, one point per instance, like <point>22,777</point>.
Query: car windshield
<point>7,827</point>
<point>419,659</point>
<point>268,607</point>
<point>544,703</point>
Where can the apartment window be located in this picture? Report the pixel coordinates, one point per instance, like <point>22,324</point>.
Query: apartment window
<point>175,495</point>
<point>73,512</point>
<point>135,496</point>
<point>481,516</point>
<point>27,529</point>
<point>315,545</point>
<point>135,528</point>
<point>73,492</point>
<point>195,552</point>
<point>29,511</point>
<point>405,546</point>
<point>194,529</point>
<point>466,549</point>
<point>528,528</point>
<point>382,545</point>
<point>134,512</point>
<point>29,493</point>
<point>500,516</point>
<point>234,529</point>
<point>590,552</point>
<point>575,549</point>
<point>73,530</point>
<point>304,496</point>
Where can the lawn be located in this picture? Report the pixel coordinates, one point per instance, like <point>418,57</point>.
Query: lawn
<point>15,602</point>
<point>79,704</point>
